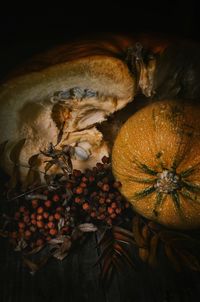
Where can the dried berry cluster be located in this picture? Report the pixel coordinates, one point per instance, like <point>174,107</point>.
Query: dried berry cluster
<point>92,196</point>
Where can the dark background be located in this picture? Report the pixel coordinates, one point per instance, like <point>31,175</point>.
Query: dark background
<point>30,27</point>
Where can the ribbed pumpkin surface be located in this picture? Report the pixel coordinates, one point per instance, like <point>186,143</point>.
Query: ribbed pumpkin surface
<point>156,157</point>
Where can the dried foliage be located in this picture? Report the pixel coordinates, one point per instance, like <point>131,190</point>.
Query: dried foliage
<point>115,250</point>
<point>182,249</point>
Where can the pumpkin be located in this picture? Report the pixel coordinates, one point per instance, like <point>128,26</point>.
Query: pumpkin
<point>67,91</point>
<point>156,157</point>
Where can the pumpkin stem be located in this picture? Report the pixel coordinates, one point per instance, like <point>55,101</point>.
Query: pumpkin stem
<point>167,182</point>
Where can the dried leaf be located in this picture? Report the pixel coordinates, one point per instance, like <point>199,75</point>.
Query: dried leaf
<point>33,267</point>
<point>172,257</point>
<point>16,150</point>
<point>34,161</point>
<point>115,251</point>
<point>21,245</point>
<point>146,233</point>
<point>35,251</point>
<point>143,254</point>
<point>152,260</point>
<point>189,260</point>
<point>117,229</point>
<point>49,165</point>
<point>60,134</point>
<point>137,232</point>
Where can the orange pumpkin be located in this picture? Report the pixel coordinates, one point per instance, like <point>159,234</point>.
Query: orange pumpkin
<point>156,157</point>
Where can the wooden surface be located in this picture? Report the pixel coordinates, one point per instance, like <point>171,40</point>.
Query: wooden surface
<point>77,279</point>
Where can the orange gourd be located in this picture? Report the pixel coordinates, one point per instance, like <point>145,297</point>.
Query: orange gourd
<point>156,157</point>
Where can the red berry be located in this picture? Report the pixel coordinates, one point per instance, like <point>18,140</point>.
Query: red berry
<point>84,179</point>
<point>113,215</point>
<point>45,192</point>
<point>51,218</point>
<point>113,205</point>
<point>40,210</point>
<point>47,203</point>
<point>91,178</point>
<point>27,234</point>
<point>56,197</point>
<point>39,217</point>
<point>40,224</point>
<point>105,187</point>
<point>110,210</point>
<point>79,190</point>
<point>77,200</point>
<point>33,221</point>
<point>85,206</point>
<point>33,216</point>
<point>57,216</point>
<point>83,185</point>
<point>21,225</point>
<point>93,214</point>
<point>53,232</point>
<point>51,225</point>
<point>26,219</point>
<point>45,215</point>
<point>34,203</point>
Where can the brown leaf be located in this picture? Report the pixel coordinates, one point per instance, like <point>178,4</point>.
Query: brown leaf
<point>170,253</point>
<point>137,232</point>
<point>34,161</point>
<point>16,150</point>
<point>152,260</point>
<point>35,251</point>
<point>33,267</point>
<point>189,260</point>
<point>124,253</point>
<point>143,254</point>
<point>49,165</point>
<point>146,233</point>
<point>125,232</point>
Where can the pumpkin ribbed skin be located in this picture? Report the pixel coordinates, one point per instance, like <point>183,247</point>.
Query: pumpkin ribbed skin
<point>156,157</point>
